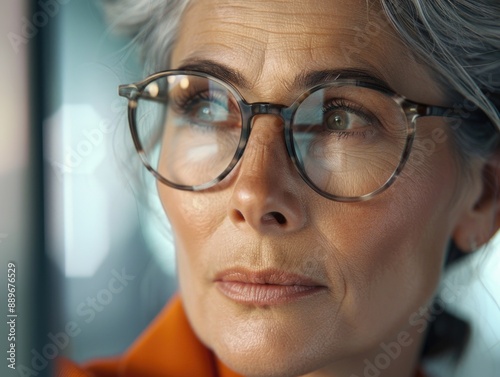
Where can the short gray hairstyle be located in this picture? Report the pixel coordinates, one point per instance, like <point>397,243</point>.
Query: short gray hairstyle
<point>458,39</point>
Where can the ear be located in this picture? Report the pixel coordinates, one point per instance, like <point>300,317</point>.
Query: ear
<point>481,217</point>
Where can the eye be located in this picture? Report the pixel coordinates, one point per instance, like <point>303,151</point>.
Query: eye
<point>338,121</point>
<point>345,119</point>
<point>210,108</point>
<point>208,111</point>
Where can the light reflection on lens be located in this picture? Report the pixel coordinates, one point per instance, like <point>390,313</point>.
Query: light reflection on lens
<point>184,83</point>
<point>153,89</point>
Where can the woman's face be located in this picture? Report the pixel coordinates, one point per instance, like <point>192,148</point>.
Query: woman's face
<point>276,279</point>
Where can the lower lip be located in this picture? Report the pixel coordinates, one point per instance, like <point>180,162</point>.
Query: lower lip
<point>266,294</point>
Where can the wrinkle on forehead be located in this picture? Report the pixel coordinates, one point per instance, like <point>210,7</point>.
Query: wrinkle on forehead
<point>310,18</point>
<point>270,41</point>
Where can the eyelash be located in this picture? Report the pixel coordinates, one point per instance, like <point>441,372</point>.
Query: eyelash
<point>353,108</point>
<point>185,101</point>
<point>342,104</point>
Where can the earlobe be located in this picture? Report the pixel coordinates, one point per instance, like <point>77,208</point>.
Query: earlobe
<point>480,218</point>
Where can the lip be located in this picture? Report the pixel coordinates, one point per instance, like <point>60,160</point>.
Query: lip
<point>268,287</point>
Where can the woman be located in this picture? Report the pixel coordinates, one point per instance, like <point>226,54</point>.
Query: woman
<point>316,160</point>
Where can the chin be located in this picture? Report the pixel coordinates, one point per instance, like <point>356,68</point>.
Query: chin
<point>269,364</point>
<point>264,348</point>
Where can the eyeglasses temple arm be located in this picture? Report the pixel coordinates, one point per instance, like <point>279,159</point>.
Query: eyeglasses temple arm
<point>450,112</point>
<point>132,93</point>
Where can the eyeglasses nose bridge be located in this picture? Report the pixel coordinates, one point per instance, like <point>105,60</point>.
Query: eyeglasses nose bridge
<point>262,108</point>
<point>266,108</point>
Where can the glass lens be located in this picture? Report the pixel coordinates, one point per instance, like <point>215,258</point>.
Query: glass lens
<point>189,128</point>
<point>349,140</point>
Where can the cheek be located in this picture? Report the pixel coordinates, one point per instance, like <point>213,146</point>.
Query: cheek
<point>195,218</point>
<point>391,248</point>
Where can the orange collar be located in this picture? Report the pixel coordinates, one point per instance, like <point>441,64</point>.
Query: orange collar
<point>168,347</point>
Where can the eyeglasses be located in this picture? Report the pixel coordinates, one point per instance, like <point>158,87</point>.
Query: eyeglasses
<point>348,139</point>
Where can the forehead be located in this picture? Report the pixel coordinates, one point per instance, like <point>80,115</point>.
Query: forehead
<point>278,40</point>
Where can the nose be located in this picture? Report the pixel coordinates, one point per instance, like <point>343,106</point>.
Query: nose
<point>266,192</point>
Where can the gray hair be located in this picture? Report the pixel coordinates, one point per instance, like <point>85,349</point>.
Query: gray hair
<point>458,39</point>
<point>152,24</point>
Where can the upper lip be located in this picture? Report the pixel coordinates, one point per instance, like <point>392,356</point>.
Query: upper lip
<point>267,276</point>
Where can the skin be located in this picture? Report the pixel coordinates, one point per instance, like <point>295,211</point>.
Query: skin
<point>380,259</point>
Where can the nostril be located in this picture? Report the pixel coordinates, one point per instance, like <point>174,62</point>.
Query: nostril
<point>274,216</point>
<point>279,217</point>
<point>239,216</point>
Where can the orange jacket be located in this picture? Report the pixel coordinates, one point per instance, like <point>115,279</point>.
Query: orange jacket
<point>168,348</point>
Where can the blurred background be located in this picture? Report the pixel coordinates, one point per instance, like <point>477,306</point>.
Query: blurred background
<point>83,222</point>
<point>61,68</point>
<point>97,227</point>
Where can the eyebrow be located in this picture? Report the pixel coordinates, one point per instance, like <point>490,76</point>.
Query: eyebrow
<point>215,69</point>
<point>313,78</point>
<point>305,79</point>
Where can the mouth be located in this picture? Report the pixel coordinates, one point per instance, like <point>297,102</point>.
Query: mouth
<point>264,288</point>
